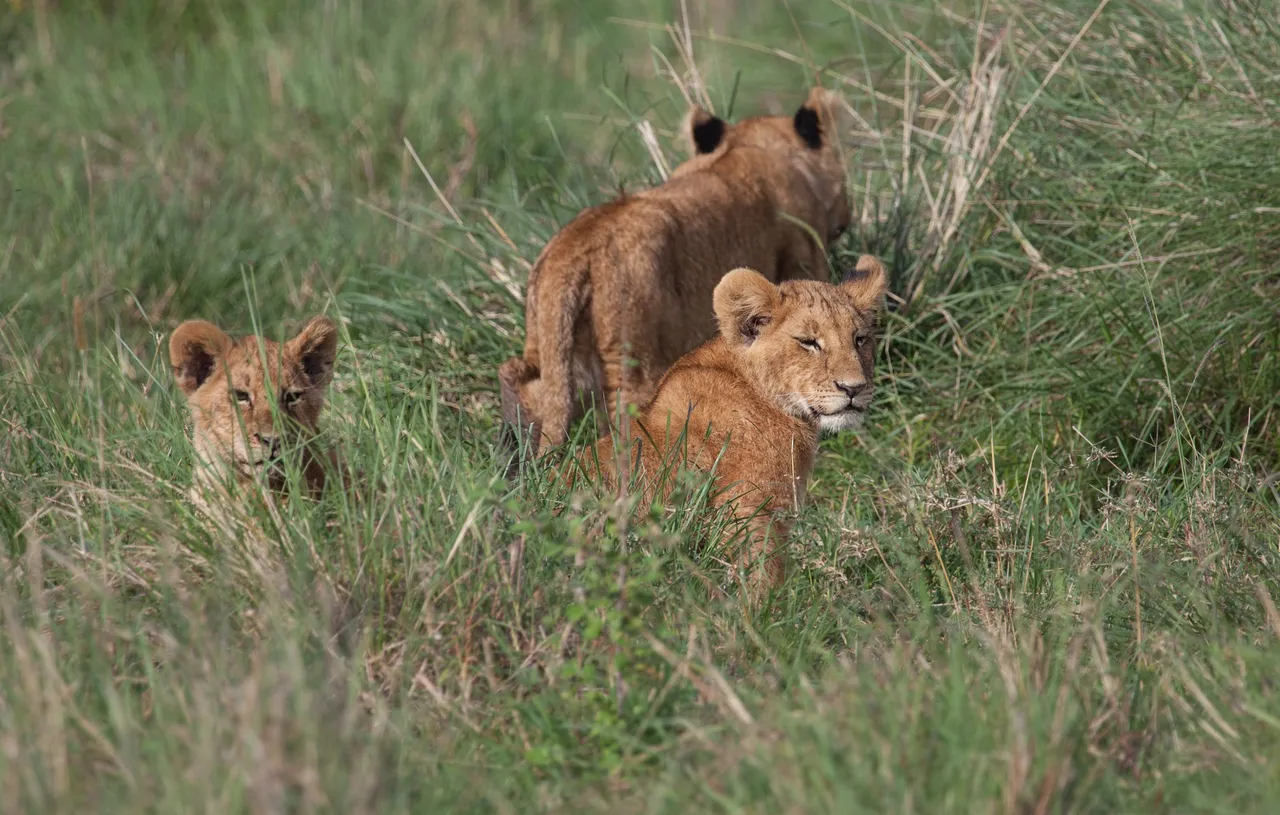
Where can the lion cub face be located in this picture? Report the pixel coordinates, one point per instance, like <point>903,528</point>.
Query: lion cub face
<point>808,346</point>
<point>252,397</point>
<point>807,145</point>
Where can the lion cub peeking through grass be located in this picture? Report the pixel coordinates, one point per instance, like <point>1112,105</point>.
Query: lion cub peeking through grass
<point>791,361</point>
<point>624,289</point>
<point>251,400</point>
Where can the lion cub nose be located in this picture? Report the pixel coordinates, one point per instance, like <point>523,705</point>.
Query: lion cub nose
<point>851,389</point>
<point>272,443</point>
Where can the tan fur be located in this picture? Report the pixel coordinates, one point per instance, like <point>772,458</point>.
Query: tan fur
<point>231,386</point>
<point>633,278</point>
<point>756,398</point>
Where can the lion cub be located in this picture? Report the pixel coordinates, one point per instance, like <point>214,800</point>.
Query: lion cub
<point>251,398</point>
<point>791,361</point>
<point>624,289</point>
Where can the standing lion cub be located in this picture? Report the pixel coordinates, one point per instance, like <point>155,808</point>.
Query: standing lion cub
<point>625,288</point>
<point>250,400</point>
<point>791,362</point>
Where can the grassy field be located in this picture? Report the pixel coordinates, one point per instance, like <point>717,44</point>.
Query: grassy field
<point>1042,579</point>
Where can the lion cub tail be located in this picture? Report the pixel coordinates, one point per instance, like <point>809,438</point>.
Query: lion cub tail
<point>538,389</point>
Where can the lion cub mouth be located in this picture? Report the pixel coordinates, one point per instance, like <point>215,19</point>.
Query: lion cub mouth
<point>853,408</point>
<point>269,461</point>
<point>848,417</point>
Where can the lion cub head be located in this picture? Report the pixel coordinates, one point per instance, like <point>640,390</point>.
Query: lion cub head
<point>251,398</point>
<point>806,345</point>
<point>806,146</point>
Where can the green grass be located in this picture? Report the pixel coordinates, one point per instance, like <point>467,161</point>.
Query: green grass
<point>1039,580</point>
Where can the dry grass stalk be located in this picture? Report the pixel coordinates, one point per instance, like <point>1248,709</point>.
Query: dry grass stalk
<point>967,146</point>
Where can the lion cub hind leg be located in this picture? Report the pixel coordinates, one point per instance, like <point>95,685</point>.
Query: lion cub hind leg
<point>538,410</point>
<point>588,376</point>
<point>520,423</point>
<point>630,368</point>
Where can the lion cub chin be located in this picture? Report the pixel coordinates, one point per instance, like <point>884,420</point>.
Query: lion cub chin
<point>790,362</point>
<point>251,401</point>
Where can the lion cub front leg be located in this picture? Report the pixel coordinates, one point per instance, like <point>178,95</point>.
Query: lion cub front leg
<point>762,554</point>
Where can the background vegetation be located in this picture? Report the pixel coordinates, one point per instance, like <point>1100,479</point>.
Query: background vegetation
<point>1040,580</point>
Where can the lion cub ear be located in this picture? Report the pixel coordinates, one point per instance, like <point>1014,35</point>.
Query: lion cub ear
<point>194,349</point>
<point>816,121</point>
<point>745,302</point>
<point>704,131</point>
<point>316,346</point>
<point>866,283</point>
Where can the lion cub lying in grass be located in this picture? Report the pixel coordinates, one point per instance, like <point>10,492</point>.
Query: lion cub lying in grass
<point>633,278</point>
<point>250,400</point>
<point>791,361</point>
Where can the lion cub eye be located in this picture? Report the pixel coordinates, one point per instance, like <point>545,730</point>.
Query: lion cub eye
<point>809,343</point>
<point>860,340</point>
<point>241,397</point>
<point>290,397</point>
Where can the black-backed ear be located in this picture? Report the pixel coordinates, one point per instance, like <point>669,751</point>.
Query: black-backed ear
<point>816,120</point>
<point>867,283</point>
<point>745,302</point>
<point>706,132</point>
<point>194,350</point>
<point>316,347</point>
<point>809,127</point>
